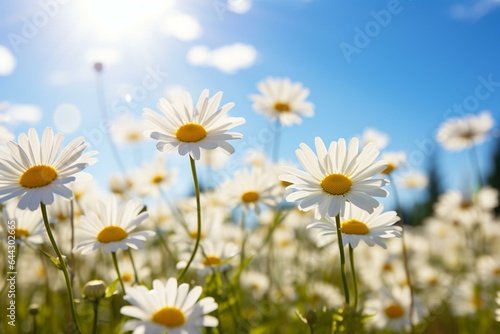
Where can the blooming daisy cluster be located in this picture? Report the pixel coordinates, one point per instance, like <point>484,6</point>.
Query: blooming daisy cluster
<point>258,244</point>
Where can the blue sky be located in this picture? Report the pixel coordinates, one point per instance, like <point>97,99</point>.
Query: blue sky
<point>403,77</point>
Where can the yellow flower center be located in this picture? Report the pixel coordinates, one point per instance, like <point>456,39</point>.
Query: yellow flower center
<point>157,179</point>
<point>250,197</point>
<point>169,317</point>
<point>282,107</point>
<point>127,277</point>
<point>191,133</point>
<point>38,176</point>
<point>21,232</point>
<point>285,183</point>
<point>194,234</point>
<point>134,136</point>
<point>394,311</point>
<point>354,226</point>
<point>211,261</point>
<point>389,169</point>
<point>111,234</point>
<point>336,184</point>
<point>387,267</point>
<point>466,205</point>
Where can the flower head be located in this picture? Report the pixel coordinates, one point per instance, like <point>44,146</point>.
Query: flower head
<point>283,100</point>
<point>459,133</point>
<point>252,189</point>
<point>168,308</point>
<point>110,227</point>
<point>334,177</point>
<point>37,170</point>
<point>189,129</point>
<point>358,225</point>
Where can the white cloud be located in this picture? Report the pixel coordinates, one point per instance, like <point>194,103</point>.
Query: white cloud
<point>106,56</point>
<point>174,91</point>
<point>20,113</point>
<point>228,58</point>
<point>62,77</point>
<point>7,61</point>
<point>239,6</point>
<point>182,26</point>
<point>475,11</point>
<point>67,118</point>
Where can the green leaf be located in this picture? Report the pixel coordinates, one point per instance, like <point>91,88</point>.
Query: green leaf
<point>56,262</point>
<point>110,290</point>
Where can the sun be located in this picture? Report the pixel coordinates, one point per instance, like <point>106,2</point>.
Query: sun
<point>122,18</point>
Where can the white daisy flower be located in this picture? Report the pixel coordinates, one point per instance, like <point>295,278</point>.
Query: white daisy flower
<point>109,226</point>
<point>413,179</point>
<point>283,100</point>
<point>252,190</point>
<point>358,225</point>
<point>168,308</point>
<point>190,129</point>
<point>151,178</point>
<point>371,135</point>
<point>394,160</point>
<point>255,282</point>
<point>459,133</point>
<point>389,309</point>
<point>37,171</point>
<point>335,176</point>
<point>27,225</point>
<point>215,256</point>
<point>128,130</point>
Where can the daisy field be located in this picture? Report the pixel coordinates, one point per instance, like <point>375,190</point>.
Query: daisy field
<point>249,167</point>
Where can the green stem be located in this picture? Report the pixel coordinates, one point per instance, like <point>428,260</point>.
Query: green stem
<point>342,260</point>
<point>198,214</point>
<point>95,305</point>
<point>115,263</point>
<point>475,164</point>
<point>354,277</point>
<point>243,239</point>
<point>105,118</point>
<point>406,261</point>
<point>136,274</point>
<point>64,269</point>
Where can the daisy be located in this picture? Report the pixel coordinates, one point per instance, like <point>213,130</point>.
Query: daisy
<point>151,178</point>
<point>380,139</point>
<point>459,133</point>
<point>413,180</point>
<point>252,190</point>
<point>37,171</point>
<point>28,225</point>
<point>465,208</point>
<point>335,176</point>
<point>389,309</point>
<point>216,256</point>
<point>358,225</point>
<point>168,308</point>
<point>394,161</point>
<point>189,129</point>
<point>110,227</point>
<point>128,130</point>
<point>255,282</point>
<point>283,100</point>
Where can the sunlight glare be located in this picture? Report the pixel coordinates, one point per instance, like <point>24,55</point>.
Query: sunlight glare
<point>119,18</point>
